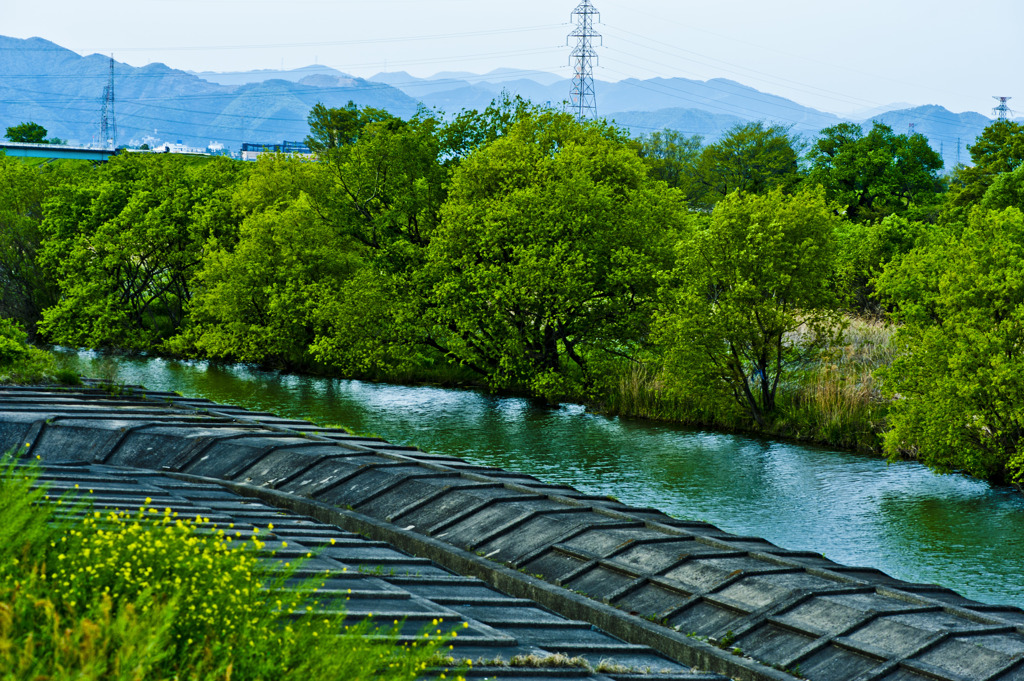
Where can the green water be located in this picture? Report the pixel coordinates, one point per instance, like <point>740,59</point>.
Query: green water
<point>857,510</point>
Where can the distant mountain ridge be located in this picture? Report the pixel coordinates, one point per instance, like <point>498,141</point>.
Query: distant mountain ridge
<point>61,90</point>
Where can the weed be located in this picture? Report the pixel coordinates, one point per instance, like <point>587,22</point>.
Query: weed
<point>93,595</point>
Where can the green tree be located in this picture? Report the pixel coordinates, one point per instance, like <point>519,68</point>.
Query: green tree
<point>877,174</point>
<point>1006,190</point>
<point>381,193</point>
<point>957,386</point>
<point>380,321</point>
<point>470,129</point>
<point>383,188</point>
<point>25,287</point>
<point>125,245</point>
<point>751,158</point>
<point>331,128</point>
<point>998,149</point>
<point>257,300</point>
<point>546,254</point>
<point>747,300</point>
<point>671,156</point>
<point>863,250</point>
<point>26,132</point>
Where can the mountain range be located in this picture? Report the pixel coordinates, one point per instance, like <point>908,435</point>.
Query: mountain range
<point>63,91</point>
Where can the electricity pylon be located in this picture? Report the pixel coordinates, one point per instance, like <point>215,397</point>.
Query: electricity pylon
<point>582,98</point>
<point>108,123</point>
<point>1002,112</point>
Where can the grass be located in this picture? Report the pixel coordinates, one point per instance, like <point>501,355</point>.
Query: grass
<point>147,595</point>
<point>834,401</point>
<point>837,400</point>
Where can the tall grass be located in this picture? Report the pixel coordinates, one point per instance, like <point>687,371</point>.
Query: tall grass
<point>646,390</point>
<point>96,596</point>
<point>832,400</point>
<point>837,400</point>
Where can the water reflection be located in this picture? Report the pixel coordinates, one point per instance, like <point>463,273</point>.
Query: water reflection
<point>855,509</point>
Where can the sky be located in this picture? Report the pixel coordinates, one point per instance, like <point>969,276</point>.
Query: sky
<point>835,55</point>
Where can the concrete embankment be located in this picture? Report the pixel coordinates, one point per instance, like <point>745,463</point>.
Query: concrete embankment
<point>700,596</point>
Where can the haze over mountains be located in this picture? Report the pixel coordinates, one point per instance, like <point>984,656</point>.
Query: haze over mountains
<point>43,82</point>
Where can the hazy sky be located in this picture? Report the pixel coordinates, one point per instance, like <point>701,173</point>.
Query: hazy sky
<point>835,55</point>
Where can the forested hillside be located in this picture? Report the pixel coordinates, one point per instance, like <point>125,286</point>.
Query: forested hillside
<point>845,291</point>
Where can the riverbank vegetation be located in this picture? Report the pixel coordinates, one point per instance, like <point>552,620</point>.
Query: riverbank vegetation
<point>838,290</point>
<point>147,595</point>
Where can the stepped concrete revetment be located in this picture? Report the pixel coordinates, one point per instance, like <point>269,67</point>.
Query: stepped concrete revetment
<point>667,588</point>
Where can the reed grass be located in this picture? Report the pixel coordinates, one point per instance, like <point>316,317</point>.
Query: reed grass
<point>833,400</point>
<point>837,400</point>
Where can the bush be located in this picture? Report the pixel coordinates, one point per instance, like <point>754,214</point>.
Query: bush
<point>19,361</point>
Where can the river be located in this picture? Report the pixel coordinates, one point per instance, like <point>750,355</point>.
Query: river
<point>855,509</point>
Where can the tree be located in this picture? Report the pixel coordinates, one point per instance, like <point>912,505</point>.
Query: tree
<point>378,190</point>
<point>863,250</point>
<point>383,187</point>
<point>877,174</point>
<point>471,129</point>
<point>998,149</point>
<point>27,132</point>
<point>671,156</point>
<point>124,247</point>
<point>751,158</point>
<point>257,300</point>
<point>957,384</point>
<point>546,254</point>
<point>1005,190</point>
<point>25,287</point>
<point>746,302</point>
<point>331,128</point>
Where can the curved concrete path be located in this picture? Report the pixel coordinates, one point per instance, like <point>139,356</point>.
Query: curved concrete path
<point>735,605</point>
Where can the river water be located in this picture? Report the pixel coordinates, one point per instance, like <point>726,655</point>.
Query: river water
<point>855,509</point>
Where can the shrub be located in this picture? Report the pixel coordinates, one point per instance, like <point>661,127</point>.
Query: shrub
<point>19,361</point>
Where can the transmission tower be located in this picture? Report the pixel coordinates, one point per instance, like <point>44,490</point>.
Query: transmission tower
<point>1002,111</point>
<point>582,97</point>
<point>108,123</point>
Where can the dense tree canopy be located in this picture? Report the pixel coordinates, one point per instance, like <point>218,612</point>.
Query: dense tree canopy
<point>746,301</point>
<point>255,298</point>
<point>25,287</point>
<point>519,248</point>
<point>753,158</point>
<point>875,174</point>
<point>671,156</point>
<point>124,246</point>
<point>547,252</point>
<point>958,384</point>
<point>26,132</point>
<point>999,149</point>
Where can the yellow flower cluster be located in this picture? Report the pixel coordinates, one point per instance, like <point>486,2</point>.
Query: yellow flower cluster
<point>156,557</point>
<point>105,596</point>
